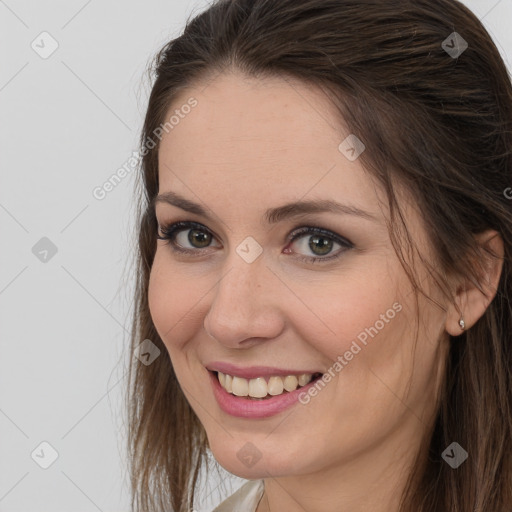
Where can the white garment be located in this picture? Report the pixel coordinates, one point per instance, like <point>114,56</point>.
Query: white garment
<point>245,499</point>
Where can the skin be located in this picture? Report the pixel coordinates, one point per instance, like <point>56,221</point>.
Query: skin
<point>247,146</point>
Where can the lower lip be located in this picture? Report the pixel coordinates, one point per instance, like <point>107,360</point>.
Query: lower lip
<point>246,408</point>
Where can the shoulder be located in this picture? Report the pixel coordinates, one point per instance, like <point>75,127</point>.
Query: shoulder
<point>245,499</point>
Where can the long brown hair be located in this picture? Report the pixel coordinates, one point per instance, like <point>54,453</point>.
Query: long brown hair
<point>436,123</point>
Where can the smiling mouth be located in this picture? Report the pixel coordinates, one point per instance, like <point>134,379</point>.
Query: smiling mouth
<point>262,388</point>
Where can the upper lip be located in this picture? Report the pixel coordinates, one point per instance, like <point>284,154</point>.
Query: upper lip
<point>252,372</point>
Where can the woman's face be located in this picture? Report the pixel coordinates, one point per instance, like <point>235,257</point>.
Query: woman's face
<point>247,300</point>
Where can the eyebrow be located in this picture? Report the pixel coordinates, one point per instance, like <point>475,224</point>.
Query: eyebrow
<point>272,215</point>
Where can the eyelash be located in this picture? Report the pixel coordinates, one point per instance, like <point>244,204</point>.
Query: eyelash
<point>170,231</point>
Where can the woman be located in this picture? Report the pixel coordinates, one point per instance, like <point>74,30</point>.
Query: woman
<point>324,263</point>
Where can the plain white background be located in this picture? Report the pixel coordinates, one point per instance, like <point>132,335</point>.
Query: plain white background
<point>69,121</point>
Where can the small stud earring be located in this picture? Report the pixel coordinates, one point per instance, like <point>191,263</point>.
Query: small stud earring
<point>461,323</point>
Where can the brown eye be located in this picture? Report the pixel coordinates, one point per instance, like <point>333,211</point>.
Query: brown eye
<point>319,243</point>
<point>186,236</point>
<point>197,238</point>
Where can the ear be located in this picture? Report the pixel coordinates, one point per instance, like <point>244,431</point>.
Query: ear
<point>469,302</point>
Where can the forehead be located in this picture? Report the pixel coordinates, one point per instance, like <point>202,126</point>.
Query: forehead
<point>273,138</point>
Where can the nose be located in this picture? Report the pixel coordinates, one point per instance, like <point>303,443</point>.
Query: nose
<point>245,307</point>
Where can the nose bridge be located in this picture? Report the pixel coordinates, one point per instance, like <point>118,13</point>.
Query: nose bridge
<point>243,305</point>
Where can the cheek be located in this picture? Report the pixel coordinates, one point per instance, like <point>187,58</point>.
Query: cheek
<point>344,311</point>
<point>173,303</point>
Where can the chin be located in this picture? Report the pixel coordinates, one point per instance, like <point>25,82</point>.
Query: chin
<point>245,460</point>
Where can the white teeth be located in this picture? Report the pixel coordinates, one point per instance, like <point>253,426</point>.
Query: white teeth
<point>259,387</point>
<point>275,386</point>
<point>290,383</point>
<point>228,386</point>
<point>240,386</point>
<point>304,379</point>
